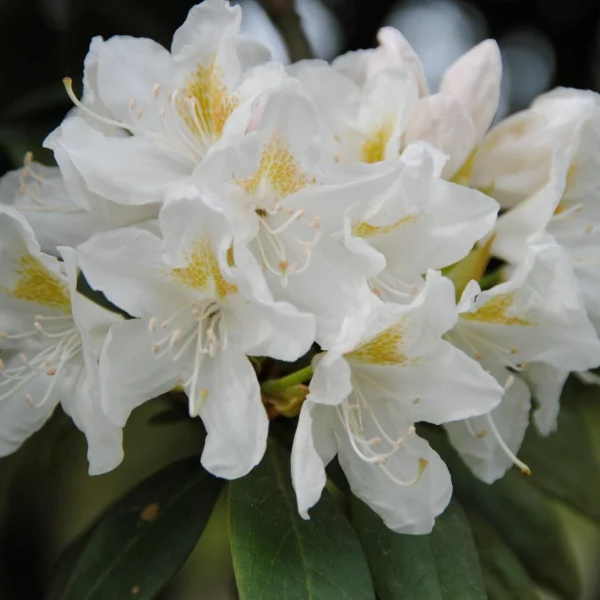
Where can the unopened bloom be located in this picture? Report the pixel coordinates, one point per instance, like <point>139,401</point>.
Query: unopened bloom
<point>366,394</point>
<point>201,307</point>
<point>50,337</point>
<point>536,317</point>
<point>177,105</point>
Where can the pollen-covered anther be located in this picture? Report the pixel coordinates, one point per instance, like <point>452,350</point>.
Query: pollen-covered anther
<point>284,265</point>
<point>417,400</point>
<point>481,433</point>
<point>156,348</point>
<point>514,350</point>
<point>139,113</point>
<point>51,372</point>
<point>132,104</point>
<point>156,91</point>
<point>375,441</point>
<point>152,323</point>
<point>478,356</point>
<point>29,399</point>
<point>589,228</point>
<point>525,364</point>
<point>411,431</point>
<point>399,443</point>
<point>175,337</point>
<point>509,381</point>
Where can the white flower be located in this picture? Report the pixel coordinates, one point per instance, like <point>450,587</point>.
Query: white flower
<point>515,159</point>
<point>202,306</point>
<point>177,105</point>
<point>367,393</point>
<point>420,222</point>
<point>60,215</point>
<point>565,210</point>
<point>50,335</point>
<point>286,198</point>
<point>537,316</point>
<point>360,124</point>
<point>455,119</point>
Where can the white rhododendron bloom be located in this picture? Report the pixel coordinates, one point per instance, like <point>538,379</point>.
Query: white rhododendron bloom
<point>537,316</point>
<point>176,105</point>
<point>365,397</point>
<point>50,338</point>
<point>456,118</point>
<point>283,242</point>
<point>201,307</point>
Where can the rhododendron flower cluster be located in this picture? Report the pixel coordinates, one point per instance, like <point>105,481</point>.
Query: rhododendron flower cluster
<point>236,212</point>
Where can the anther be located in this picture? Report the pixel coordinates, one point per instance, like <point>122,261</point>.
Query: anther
<point>417,400</point>
<point>156,91</point>
<point>152,324</point>
<point>132,104</point>
<point>589,228</point>
<point>374,441</point>
<point>176,336</point>
<point>23,357</point>
<point>514,350</point>
<point>1,366</point>
<point>155,348</point>
<point>481,433</point>
<point>411,431</point>
<point>29,399</point>
<point>140,112</point>
<point>51,372</point>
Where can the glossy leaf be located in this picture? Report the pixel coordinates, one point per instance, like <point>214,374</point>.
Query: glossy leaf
<point>440,566</point>
<point>564,464</point>
<point>522,514</point>
<point>145,537</point>
<point>276,554</point>
<point>504,576</point>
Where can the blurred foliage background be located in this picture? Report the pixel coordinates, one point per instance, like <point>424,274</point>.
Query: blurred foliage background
<point>46,497</point>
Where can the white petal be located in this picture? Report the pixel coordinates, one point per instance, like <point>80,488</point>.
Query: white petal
<point>127,266</point>
<point>546,383</point>
<point>443,122</point>
<point>331,382</point>
<point>474,79</point>
<point>394,51</point>
<point>275,329</point>
<point>445,385</point>
<point>477,444</point>
<point>235,419</point>
<point>129,68</point>
<point>130,373</point>
<point>314,447</point>
<point>18,419</point>
<point>404,509</point>
<point>131,170</point>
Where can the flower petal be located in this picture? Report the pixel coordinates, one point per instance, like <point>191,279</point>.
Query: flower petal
<point>313,449</point>
<point>235,419</point>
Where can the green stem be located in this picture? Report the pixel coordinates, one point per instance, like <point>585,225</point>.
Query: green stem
<point>272,386</point>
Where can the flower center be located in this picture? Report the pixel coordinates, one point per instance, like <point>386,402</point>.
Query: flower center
<point>204,336</point>
<point>62,343</point>
<point>357,416</point>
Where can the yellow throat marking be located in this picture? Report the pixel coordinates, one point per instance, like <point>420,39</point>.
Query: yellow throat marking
<point>279,168</point>
<point>36,283</point>
<point>373,147</point>
<point>383,349</point>
<point>213,104</point>
<point>365,230</point>
<point>496,311</point>
<point>202,270</point>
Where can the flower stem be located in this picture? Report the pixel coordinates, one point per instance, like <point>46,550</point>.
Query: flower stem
<point>272,386</point>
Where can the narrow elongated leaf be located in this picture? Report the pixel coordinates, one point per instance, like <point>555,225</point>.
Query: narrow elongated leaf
<point>504,576</point>
<point>276,554</point>
<point>563,464</point>
<point>440,566</point>
<point>522,514</point>
<point>143,540</point>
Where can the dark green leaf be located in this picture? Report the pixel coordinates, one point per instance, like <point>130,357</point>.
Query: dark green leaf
<point>440,566</point>
<point>523,515</point>
<point>276,554</point>
<point>504,576</point>
<point>563,464</point>
<point>143,540</point>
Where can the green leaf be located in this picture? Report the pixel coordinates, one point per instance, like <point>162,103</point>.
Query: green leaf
<point>504,576</point>
<point>563,464</point>
<point>142,541</point>
<point>522,514</point>
<point>276,554</point>
<point>440,566</point>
